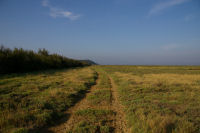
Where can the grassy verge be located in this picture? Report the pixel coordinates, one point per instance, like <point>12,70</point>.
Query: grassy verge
<point>159,99</point>
<point>31,101</point>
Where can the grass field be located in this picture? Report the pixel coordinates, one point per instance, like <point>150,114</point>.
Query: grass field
<point>105,99</point>
<point>159,99</point>
<point>37,99</point>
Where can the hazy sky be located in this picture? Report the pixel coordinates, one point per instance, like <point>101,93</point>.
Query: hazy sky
<point>133,32</point>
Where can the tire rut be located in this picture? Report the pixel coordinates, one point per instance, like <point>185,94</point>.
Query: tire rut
<point>68,122</point>
<point>120,121</point>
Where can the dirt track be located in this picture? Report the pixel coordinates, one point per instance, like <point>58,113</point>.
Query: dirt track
<point>121,125</point>
<point>69,121</point>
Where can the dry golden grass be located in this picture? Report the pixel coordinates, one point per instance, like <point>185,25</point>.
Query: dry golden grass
<point>159,99</point>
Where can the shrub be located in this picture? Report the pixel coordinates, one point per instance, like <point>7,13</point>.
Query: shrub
<point>20,60</point>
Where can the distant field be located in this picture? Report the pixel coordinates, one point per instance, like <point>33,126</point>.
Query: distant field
<point>102,99</point>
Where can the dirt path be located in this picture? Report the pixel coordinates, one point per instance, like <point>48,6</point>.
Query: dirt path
<point>120,122</point>
<point>69,123</point>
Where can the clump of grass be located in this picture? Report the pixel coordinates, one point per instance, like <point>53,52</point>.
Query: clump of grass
<point>100,97</point>
<point>92,120</point>
<point>86,127</point>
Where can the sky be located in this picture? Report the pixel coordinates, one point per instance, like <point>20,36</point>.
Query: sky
<point>109,32</point>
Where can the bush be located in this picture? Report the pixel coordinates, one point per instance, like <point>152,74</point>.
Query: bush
<point>20,60</point>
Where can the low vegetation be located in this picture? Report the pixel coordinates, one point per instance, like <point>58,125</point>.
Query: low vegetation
<point>155,99</point>
<point>159,99</point>
<point>104,82</point>
<point>100,97</point>
<point>97,116</point>
<point>102,94</point>
<point>31,101</point>
<point>20,60</point>
<point>93,121</point>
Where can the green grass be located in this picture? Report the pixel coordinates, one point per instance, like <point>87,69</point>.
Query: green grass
<point>159,99</point>
<point>100,97</point>
<point>94,114</point>
<point>86,127</point>
<point>140,70</point>
<point>93,120</point>
<point>102,94</point>
<point>104,82</point>
<point>156,99</point>
<point>33,100</point>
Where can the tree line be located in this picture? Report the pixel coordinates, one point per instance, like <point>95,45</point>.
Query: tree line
<point>20,60</point>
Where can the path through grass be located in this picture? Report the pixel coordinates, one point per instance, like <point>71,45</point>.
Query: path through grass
<point>95,113</point>
<point>31,101</point>
<point>137,99</point>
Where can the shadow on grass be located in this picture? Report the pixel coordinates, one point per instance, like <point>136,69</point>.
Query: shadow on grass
<point>46,129</point>
<point>47,72</point>
<point>65,117</point>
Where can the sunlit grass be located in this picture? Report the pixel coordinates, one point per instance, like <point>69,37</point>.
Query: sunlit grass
<point>37,99</point>
<point>156,99</point>
<point>93,120</point>
<point>100,97</point>
<point>159,99</point>
<point>104,82</point>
